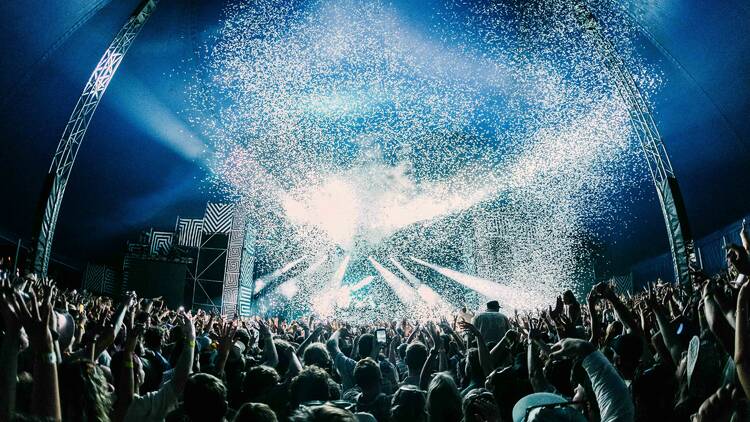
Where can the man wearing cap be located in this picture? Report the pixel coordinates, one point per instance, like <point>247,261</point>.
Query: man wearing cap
<point>491,323</point>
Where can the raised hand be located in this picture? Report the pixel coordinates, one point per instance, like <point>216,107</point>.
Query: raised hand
<point>570,348</point>
<point>433,332</point>
<point>264,329</point>
<point>445,326</point>
<point>226,333</point>
<point>534,332</point>
<point>709,288</point>
<point>511,336</point>
<point>651,298</point>
<point>36,320</point>
<point>737,258</point>
<point>699,276</point>
<point>603,290</point>
<point>718,407</point>
<point>188,328</point>
<point>558,307</point>
<point>565,326</point>
<point>134,334</point>
<point>469,327</point>
<point>395,341</point>
<point>9,308</point>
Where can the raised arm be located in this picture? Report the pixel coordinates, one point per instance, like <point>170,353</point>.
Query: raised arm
<point>538,382</point>
<point>450,331</point>
<point>484,353</point>
<point>392,349</point>
<point>668,335</point>
<point>427,369</point>
<point>111,332</point>
<point>295,367</point>
<point>125,385</point>
<point>594,318</point>
<point>226,335</point>
<point>413,334</point>
<point>45,394</point>
<point>9,349</point>
<point>270,354</point>
<point>611,393</point>
<point>741,350</point>
<point>333,344</point>
<point>309,340</point>
<point>503,346</point>
<point>716,319</point>
<point>185,362</point>
<point>622,311</point>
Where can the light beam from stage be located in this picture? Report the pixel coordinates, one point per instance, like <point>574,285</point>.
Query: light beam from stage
<point>338,276</point>
<point>508,297</point>
<point>436,303</point>
<point>343,294</point>
<point>361,284</point>
<point>263,280</point>
<point>403,290</point>
<point>330,295</point>
<point>290,287</point>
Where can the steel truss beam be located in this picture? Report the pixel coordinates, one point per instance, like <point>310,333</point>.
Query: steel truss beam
<point>647,133</point>
<point>70,142</point>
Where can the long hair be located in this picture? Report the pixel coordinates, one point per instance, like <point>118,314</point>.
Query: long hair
<point>443,399</point>
<point>84,395</point>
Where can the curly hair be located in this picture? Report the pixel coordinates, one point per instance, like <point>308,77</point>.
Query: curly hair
<point>311,384</point>
<point>205,398</point>
<point>258,380</point>
<point>317,354</point>
<point>258,412</point>
<point>84,392</point>
<point>323,413</point>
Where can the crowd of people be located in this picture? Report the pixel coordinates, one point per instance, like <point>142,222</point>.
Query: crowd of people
<point>668,353</point>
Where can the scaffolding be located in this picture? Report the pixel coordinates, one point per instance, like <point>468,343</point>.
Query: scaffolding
<point>75,130</point>
<point>652,145</point>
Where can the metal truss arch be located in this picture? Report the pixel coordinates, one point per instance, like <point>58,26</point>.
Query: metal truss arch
<point>75,130</point>
<point>650,140</point>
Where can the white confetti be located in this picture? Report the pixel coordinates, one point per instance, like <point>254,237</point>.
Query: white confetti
<point>354,132</point>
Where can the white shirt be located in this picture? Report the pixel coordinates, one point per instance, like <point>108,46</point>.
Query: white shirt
<point>492,325</point>
<point>153,406</point>
<point>612,395</point>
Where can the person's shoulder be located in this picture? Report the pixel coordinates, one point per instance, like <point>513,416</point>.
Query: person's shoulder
<point>385,363</point>
<point>479,316</point>
<point>341,359</point>
<point>166,389</point>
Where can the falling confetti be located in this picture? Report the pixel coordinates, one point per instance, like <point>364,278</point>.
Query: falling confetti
<point>355,133</point>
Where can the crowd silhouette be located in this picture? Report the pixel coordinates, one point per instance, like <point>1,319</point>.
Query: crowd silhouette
<point>666,353</point>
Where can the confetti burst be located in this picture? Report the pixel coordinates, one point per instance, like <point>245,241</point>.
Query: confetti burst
<point>356,129</point>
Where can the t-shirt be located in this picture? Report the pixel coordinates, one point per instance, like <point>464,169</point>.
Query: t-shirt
<point>492,325</point>
<point>390,376</point>
<point>345,366</point>
<point>153,406</point>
